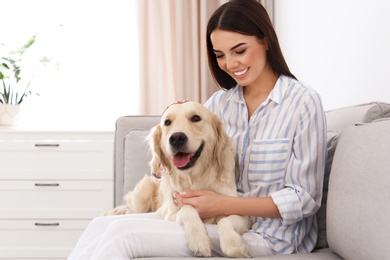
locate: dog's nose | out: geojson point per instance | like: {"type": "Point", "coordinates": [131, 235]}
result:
{"type": "Point", "coordinates": [178, 139]}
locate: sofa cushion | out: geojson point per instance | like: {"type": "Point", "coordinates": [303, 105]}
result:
{"type": "Point", "coordinates": [337, 120]}
{"type": "Point", "coordinates": [358, 212]}
{"type": "Point", "coordinates": [124, 125]}
{"type": "Point", "coordinates": [332, 141]}
{"type": "Point", "coordinates": [137, 154]}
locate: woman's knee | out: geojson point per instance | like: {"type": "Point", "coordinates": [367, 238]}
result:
{"type": "Point", "coordinates": [97, 221]}
{"type": "Point", "coordinates": [118, 227]}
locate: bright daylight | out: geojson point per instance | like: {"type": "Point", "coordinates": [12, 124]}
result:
{"type": "Point", "coordinates": [92, 76]}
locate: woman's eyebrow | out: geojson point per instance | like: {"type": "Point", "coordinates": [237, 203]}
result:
{"type": "Point", "coordinates": [232, 48]}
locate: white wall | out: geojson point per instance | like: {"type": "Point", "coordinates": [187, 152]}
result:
{"type": "Point", "coordinates": [339, 47]}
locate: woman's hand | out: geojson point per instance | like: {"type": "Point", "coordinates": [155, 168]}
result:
{"type": "Point", "coordinates": [207, 203]}
{"type": "Point", "coordinates": [210, 204]}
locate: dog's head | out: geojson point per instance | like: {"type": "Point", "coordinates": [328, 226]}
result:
{"type": "Point", "coordinates": [188, 135]}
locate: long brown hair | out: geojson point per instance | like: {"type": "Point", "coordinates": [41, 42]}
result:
{"type": "Point", "coordinates": [246, 17]}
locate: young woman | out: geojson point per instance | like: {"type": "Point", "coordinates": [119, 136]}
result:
{"type": "Point", "coordinates": [277, 126]}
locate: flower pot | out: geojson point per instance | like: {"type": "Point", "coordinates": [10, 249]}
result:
{"type": "Point", "coordinates": [9, 114]}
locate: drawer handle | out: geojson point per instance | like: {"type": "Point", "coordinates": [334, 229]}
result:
{"type": "Point", "coordinates": [47, 184]}
{"type": "Point", "coordinates": [47, 224]}
{"type": "Point", "coordinates": [47, 145]}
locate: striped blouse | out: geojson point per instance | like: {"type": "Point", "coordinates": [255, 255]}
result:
{"type": "Point", "coordinates": [281, 152]}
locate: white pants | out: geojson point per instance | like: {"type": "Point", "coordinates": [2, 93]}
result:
{"type": "Point", "coordinates": [146, 235]}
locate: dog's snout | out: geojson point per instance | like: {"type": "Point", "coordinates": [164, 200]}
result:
{"type": "Point", "coordinates": [178, 139]}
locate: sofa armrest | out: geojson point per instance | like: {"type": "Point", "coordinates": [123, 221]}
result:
{"type": "Point", "coordinates": [358, 198]}
{"type": "Point", "coordinates": [337, 121]}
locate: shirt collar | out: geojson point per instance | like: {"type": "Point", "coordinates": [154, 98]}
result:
{"type": "Point", "coordinates": [236, 94]}
{"type": "Point", "coordinates": [279, 89]}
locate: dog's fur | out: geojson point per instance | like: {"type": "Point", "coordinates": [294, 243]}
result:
{"type": "Point", "coordinates": [190, 151]}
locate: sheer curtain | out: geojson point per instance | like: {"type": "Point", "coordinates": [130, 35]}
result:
{"type": "Point", "coordinates": [173, 59]}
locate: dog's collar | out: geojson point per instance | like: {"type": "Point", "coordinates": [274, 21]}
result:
{"type": "Point", "coordinates": [176, 103]}
{"type": "Point", "coordinates": [155, 176]}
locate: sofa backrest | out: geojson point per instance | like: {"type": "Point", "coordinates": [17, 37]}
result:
{"type": "Point", "coordinates": [358, 211]}
{"type": "Point", "coordinates": [339, 119]}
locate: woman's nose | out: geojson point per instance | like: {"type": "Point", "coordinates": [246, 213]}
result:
{"type": "Point", "coordinates": [231, 63]}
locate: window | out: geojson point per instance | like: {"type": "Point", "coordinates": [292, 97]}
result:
{"type": "Point", "coordinates": [94, 43]}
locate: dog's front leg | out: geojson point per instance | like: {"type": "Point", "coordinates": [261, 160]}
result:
{"type": "Point", "coordinates": [230, 231]}
{"type": "Point", "coordinates": [195, 231]}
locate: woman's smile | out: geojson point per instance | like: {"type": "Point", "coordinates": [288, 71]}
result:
{"type": "Point", "coordinates": [241, 74]}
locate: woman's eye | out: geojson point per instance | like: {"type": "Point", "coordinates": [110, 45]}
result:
{"type": "Point", "coordinates": [219, 56]}
{"type": "Point", "coordinates": [167, 122]}
{"type": "Point", "coordinates": [195, 118]}
{"type": "Point", "coordinates": [241, 51]}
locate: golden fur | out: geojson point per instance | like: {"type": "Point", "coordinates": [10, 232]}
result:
{"type": "Point", "coordinates": [190, 151]}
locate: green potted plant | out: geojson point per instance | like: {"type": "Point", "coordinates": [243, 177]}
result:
{"type": "Point", "coordinates": [12, 90]}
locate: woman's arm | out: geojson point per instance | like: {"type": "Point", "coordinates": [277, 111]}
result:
{"type": "Point", "coordinates": [211, 204]}
{"type": "Point", "coordinates": [303, 183]}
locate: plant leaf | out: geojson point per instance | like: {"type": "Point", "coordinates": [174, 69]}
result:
{"type": "Point", "coordinates": [25, 93]}
{"type": "Point", "coordinates": [5, 65]}
{"type": "Point", "coordinates": [4, 94]}
{"type": "Point", "coordinates": [22, 49]}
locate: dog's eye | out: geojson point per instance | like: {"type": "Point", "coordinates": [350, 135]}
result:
{"type": "Point", "coordinates": [195, 118]}
{"type": "Point", "coordinates": [167, 122]}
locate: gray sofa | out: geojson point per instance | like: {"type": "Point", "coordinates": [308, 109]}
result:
{"type": "Point", "coordinates": [353, 218]}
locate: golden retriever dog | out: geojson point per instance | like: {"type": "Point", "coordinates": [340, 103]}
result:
{"type": "Point", "coordinates": [191, 151]}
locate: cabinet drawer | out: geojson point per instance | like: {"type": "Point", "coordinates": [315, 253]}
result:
{"type": "Point", "coordinates": [55, 199]}
{"type": "Point", "coordinates": [39, 239]}
{"type": "Point", "coordinates": [56, 159]}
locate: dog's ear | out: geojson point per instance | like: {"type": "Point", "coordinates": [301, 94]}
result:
{"type": "Point", "coordinates": [159, 162]}
{"type": "Point", "coordinates": [222, 149]}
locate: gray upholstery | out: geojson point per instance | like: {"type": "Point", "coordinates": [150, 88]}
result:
{"type": "Point", "coordinates": [136, 164]}
{"type": "Point", "coordinates": [348, 216]}
{"type": "Point", "coordinates": [359, 195]}
{"type": "Point", "coordinates": [323, 254]}
{"type": "Point", "coordinates": [337, 121]}
{"type": "Point", "coordinates": [340, 118]}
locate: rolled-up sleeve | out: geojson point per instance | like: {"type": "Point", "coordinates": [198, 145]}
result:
{"type": "Point", "coordinates": [302, 192]}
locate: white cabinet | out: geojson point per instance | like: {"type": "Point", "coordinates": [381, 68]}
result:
{"type": "Point", "coordinates": [51, 185]}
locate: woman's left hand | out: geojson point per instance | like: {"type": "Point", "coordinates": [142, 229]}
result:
{"type": "Point", "coordinates": [207, 203]}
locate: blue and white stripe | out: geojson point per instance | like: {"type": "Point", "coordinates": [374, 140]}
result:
{"type": "Point", "coordinates": [281, 153]}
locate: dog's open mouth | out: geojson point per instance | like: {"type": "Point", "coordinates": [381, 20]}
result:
{"type": "Point", "coordinates": [184, 161]}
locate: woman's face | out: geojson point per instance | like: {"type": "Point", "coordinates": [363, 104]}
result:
{"type": "Point", "coordinates": [243, 57]}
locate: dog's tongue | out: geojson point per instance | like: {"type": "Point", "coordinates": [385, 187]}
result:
{"type": "Point", "coordinates": [181, 159]}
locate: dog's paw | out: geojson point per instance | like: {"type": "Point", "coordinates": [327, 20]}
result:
{"type": "Point", "coordinates": [235, 246]}
{"type": "Point", "coordinates": [200, 247]}
{"type": "Point", "coordinates": [120, 210]}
